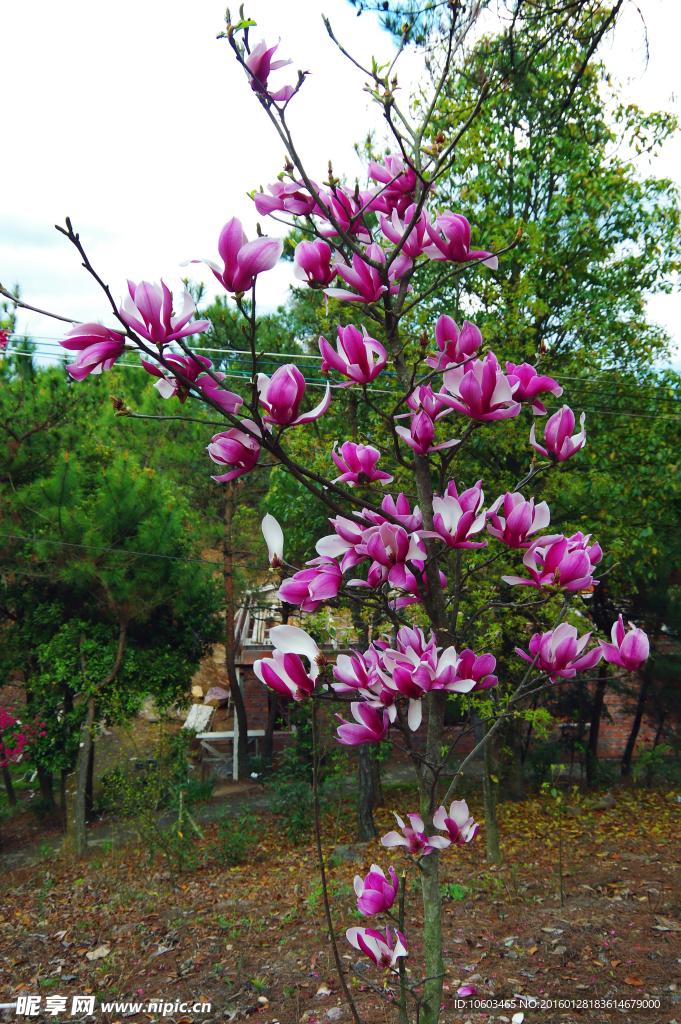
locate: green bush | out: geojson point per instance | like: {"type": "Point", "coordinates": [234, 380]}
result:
{"type": "Point", "coordinates": [235, 837]}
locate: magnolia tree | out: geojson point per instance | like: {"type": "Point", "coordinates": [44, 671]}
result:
{"type": "Point", "coordinates": [387, 249]}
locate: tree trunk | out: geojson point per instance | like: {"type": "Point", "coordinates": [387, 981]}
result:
{"type": "Point", "coordinates": [46, 780]}
{"type": "Point", "coordinates": [268, 739]}
{"type": "Point", "coordinates": [376, 769]}
{"type": "Point", "coordinates": [234, 688]}
{"type": "Point", "coordinates": [76, 783]}
{"type": "Point", "coordinates": [366, 829]}
{"type": "Point", "coordinates": [63, 801]}
{"type": "Point", "coordinates": [89, 785]}
{"type": "Point", "coordinates": [489, 796]}
{"type": "Point", "coordinates": [633, 735]}
{"type": "Point", "coordinates": [595, 725]}
{"type": "Point", "coordinates": [512, 780]}
{"type": "Point", "coordinates": [7, 779]}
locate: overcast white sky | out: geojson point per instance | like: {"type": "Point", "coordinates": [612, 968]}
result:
{"type": "Point", "coordinates": [137, 123]}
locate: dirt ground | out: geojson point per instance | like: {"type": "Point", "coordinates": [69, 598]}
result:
{"type": "Point", "coordinates": [251, 941]}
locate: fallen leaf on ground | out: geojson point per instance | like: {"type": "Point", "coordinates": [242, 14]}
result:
{"type": "Point", "coordinates": [633, 979]}
{"type": "Point", "coordinates": [615, 963]}
{"type": "Point", "coordinates": [99, 953]}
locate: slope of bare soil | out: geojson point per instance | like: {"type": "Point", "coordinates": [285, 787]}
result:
{"type": "Point", "coordinates": [251, 940]}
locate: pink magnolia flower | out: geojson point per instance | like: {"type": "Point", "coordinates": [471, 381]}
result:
{"type": "Point", "coordinates": [421, 433]}
{"type": "Point", "coordinates": [282, 393]}
{"type": "Point", "coordinates": [400, 509]}
{"type": "Point", "coordinates": [4, 338]}
{"type": "Point", "coordinates": [458, 824]}
{"type": "Point", "coordinates": [559, 444]}
{"type": "Point", "coordinates": [285, 672]}
{"type": "Point", "coordinates": [414, 837]}
{"type": "Point", "coordinates": [315, 262]}
{"type": "Point", "coordinates": [457, 519]}
{"type": "Point", "coordinates": [98, 349]}
{"type": "Point", "coordinates": [391, 545]}
{"type": "Point", "coordinates": [416, 240]}
{"type": "Point", "coordinates": [454, 345]}
{"type": "Point", "coordinates": [456, 244]}
{"type": "Point", "coordinates": [371, 726]}
{"type": "Point", "coordinates": [557, 563]}
{"type": "Point", "coordinates": [242, 260]}
{"type": "Point", "coordinates": [476, 669]}
{"type": "Point", "coordinates": [559, 652]}
{"type": "Point", "coordinates": [310, 587]}
{"type": "Point", "coordinates": [357, 356]}
{"type": "Point", "coordinates": [366, 279]}
{"type": "Point", "coordinates": [628, 650]}
{"type": "Point", "coordinates": [274, 538]}
{"type": "Point", "coordinates": [355, 671]}
{"type": "Point", "coordinates": [520, 519]}
{"type": "Point", "coordinates": [235, 448]}
{"type": "Point", "coordinates": [347, 211]}
{"type": "Point", "coordinates": [480, 390]}
{"type": "Point", "coordinates": [148, 310]}
{"type": "Point", "coordinates": [378, 949]}
{"type": "Point", "coordinates": [398, 180]}
{"type": "Point", "coordinates": [259, 62]}
{"type": "Point", "coordinates": [423, 398]}
{"type": "Point", "coordinates": [531, 385]}
{"type": "Point", "coordinates": [358, 464]}
{"type": "Point", "coordinates": [292, 197]}
{"type": "Point", "coordinates": [190, 367]}
{"type": "Point", "coordinates": [416, 668]}
{"type": "Point", "coordinates": [345, 543]}
{"type": "Point", "coordinates": [466, 990]}
{"type": "Point", "coordinates": [375, 893]}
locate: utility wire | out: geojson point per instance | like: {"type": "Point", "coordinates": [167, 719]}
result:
{"type": "Point", "coordinates": [125, 551]}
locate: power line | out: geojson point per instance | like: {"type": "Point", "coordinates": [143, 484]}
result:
{"type": "Point", "coordinates": [125, 551]}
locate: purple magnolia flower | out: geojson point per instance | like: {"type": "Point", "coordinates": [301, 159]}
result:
{"type": "Point", "coordinates": [466, 990]}
{"type": "Point", "coordinates": [520, 519]}
{"type": "Point", "coordinates": [398, 180]}
{"type": "Point", "coordinates": [417, 238]}
{"type": "Point", "coordinates": [367, 279]}
{"type": "Point", "coordinates": [558, 562]}
{"type": "Point", "coordinates": [375, 893]}
{"type": "Point", "coordinates": [282, 393]}
{"type": "Point", "coordinates": [358, 465]}
{"type": "Point", "coordinates": [347, 210]}
{"type": "Point", "coordinates": [531, 385]}
{"type": "Point", "coordinates": [454, 345]}
{"type": "Point", "coordinates": [378, 949]}
{"type": "Point", "coordinates": [458, 824]}
{"type": "Point", "coordinates": [416, 668]}
{"type": "Point", "coordinates": [357, 356]}
{"type": "Point", "coordinates": [457, 519]}
{"type": "Point", "coordinates": [476, 669]}
{"type": "Point", "coordinates": [285, 672]}
{"type": "Point", "coordinates": [432, 404]}
{"type": "Point", "coordinates": [345, 543]}
{"type": "Point", "coordinates": [310, 587]}
{"type": "Point", "coordinates": [292, 197]}
{"type": "Point", "coordinates": [315, 262]}
{"type": "Point", "coordinates": [191, 367]}
{"type": "Point", "coordinates": [274, 538]}
{"type": "Point", "coordinates": [148, 310]}
{"type": "Point", "coordinates": [628, 650]}
{"type": "Point", "coordinates": [259, 62]}
{"type": "Point", "coordinates": [414, 837]}
{"type": "Point", "coordinates": [559, 652]}
{"type": "Point", "coordinates": [371, 726]}
{"type": "Point", "coordinates": [400, 509]}
{"type": "Point", "coordinates": [456, 244]}
{"type": "Point", "coordinates": [235, 448]}
{"type": "Point", "coordinates": [390, 545]}
{"type": "Point", "coordinates": [421, 433]}
{"type": "Point", "coordinates": [4, 339]}
{"type": "Point", "coordinates": [480, 390]}
{"type": "Point", "coordinates": [98, 349]}
{"type": "Point", "coordinates": [355, 671]}
{"type": "Point", "coordinates": [242, 260]}
{"type": "Point", "coordinates": [559, 444]}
